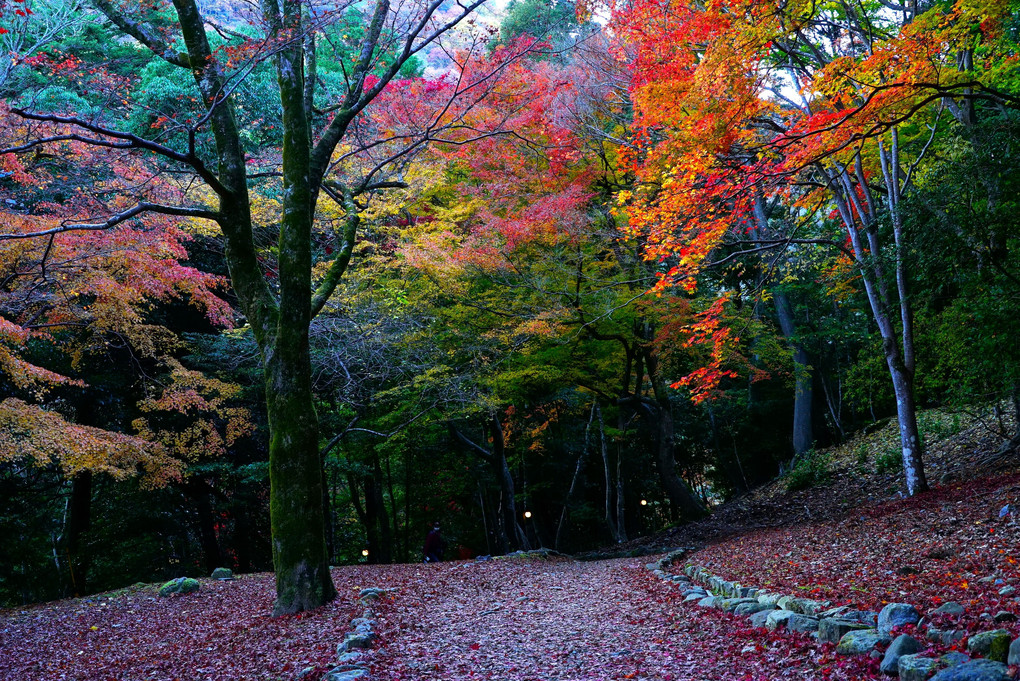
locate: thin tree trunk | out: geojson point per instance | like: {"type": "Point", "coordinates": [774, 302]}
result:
{"type": "Point", "coordinates": [78, 525]}
{"type": "Point", "coordinates": [621, 502]}
{"type": "Point", "coordinates": [898, 360]}
{"type": "Point", "coordinates": [578, 468]}
{"type": "Point", "coordinates": [506, 478]}
{"type": "Point", "coordinates": [610, 523]}
{"type": "Point", "coordinates": [385, 549]}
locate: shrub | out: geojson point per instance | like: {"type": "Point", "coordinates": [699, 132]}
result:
{"type": "Point", "coordinates": [812, 468]}
{"type": "Point", "coordinates": [889, 460]}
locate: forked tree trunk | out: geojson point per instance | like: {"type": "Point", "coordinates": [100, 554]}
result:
{"type": "Point", "coordinates": [853, 198]}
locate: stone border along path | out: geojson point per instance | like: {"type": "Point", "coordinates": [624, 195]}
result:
{"type": "Point", "coordinates": [357, 648]}
{"type": "Point", "coordinates": [855, 632]}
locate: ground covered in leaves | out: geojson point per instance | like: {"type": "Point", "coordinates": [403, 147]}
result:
{"type": "Point", "coordinates": [223, 631]}
{"type": "Point", "coordinates": [851, 540]}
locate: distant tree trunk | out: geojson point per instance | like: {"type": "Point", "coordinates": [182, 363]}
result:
{"type": "Point", "coordinates": [578, 468]}
{"type": "Point", "coordinates": [78, 525]}
{"type": "Point", "coordinates": [803, 432]}
{"type": "Point", "coordinates": [510, 534]}
{"type": "Point", "coordinates": [242, 541]}
{"type": "Point", "coordinates": [364, 511]}
{"type": "Point", "coordinates": [198, 490]}
{"type": "Point", "coordinates": [327, 509]}
{"type": "Point", "coordinates": [680, 495]}
{"type": "Point", "coordinates": [374, 491]}
{"type": "Point", "coordinates": [612, 519]}
{"type": "Point", "coordinates": [507, 483]}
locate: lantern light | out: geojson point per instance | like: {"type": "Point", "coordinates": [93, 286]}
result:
{"type": "Point", "coordinates": [644, 502]}
{"type": "Point", "coordinates": [364, 552]}
{"type": "Point", "coordinates": [527, 514]}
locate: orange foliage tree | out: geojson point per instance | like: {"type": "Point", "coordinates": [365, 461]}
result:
{"type": "Point", "coordinates": [745, 105]}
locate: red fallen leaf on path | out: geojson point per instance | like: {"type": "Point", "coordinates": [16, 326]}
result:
{"type": "Point", "coordinates": [476, 646]}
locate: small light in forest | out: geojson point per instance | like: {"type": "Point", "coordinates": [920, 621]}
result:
{"type": "Point", "coordinates": [644, 502]}
{"type": "Point", "coordinates": [364, 552]}
{"type": "Point", "coordinates": [527, 514]}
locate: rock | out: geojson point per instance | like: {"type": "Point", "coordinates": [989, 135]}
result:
{"type": "Point", "coordinates": [831, 629]}
{"type": "Point", "coordinates": [806, 606]}
{"type": "Point", "coordinates": [745, 609]}
{"type": "Point", "coordinates": [651, 566]}
{"type": "Point", "coordinates": [901, 645]}
{"type": "Point", "coordinates": [954, 659]}
{"type": "Point", "coordinates": [802, 623]}
{"type": "Point", "coordinates": [771, 600]}
{"type": "Point", "coordinates": [1014, 653]}
{"type": "Point", "coordinates": [760, 618]}
{"type": "Point", "coordinates": [949, 608]}
{"type": "Point", "coordinates": [351, 659]}
{"type": "Point", "coordinates": [975, 670]}
{"type": "Point", "coordinates": [835, 613]}
{"type": "Point", "coordinates": [993, 645]}
{"type": "Point", "coordinates": [1003, 616]}
{"type": "Point", "coordinates": [896, 615]}
{"type": "Point", "coordinates": [709, 601]}
{"type": "Point", "coordinates": [693, 595]}
{"type": "Point", "coordinates": [372, 593]}
{"type": "Point", "coordinates": [860, 641]}
{"type": "Point", "coordinates": [354, 641]}
{"type": "Point", "coordinates": [222, 573]}
{"type": "Point", "coordinates": [916, 667]}
{"type": "Point", "coordinates": [747, 592]}
{"type": "Point", "coordinates": [946, 637]}
{"type": "Point", "coordinates": [777, 619]}
{"type": "Point", "coordinates": [1007, 591]}
{"type": "Point", "coordinates": [866, 616]}
{"type": "Point", "coordinates": [730, 604]}
{"type": "Point", "coordinates": [677, 579]}
{"type": "Point", "coordinates": [181, 585]}
{"type": "Point", "coordinates": [339, 674]}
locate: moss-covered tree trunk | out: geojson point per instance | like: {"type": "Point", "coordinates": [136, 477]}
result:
{"type": "Point", "coordinates": [279, 308]}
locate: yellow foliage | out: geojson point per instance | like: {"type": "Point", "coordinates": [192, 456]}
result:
{"type": "Point", "coordinates": [33, 434]}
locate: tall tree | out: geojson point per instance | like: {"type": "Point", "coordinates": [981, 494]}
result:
{"type": "Point", "coordinates": [280, 303]}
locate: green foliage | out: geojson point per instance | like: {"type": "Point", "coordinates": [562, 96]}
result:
{"type": "Point", "coordinates": [888, 460]}
{"type": "Point", "coordinates": [810, 469]}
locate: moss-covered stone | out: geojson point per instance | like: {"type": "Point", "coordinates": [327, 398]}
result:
{"type": "Point", "coordinates": [916, 667]}
{"type": "Point", "coordinates": [860, 642]}
{"type": "Point", "coordinates": [993, 645]}
{"type": "Point", "coordinates": [975, 670]}
{"type": "Point", "coordinates": [181, 585]}
{"type": "Point", "coordinates": [832, 629]}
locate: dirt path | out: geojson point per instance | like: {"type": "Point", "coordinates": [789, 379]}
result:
{"type": "Point", "coordinates": [540, 621]}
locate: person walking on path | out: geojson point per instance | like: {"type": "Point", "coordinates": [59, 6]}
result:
{"type": "Point", "coordinates": [433, 545]}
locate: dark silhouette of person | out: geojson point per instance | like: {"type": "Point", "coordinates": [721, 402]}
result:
{"type": "Point", "coordinates": [433, 545]}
